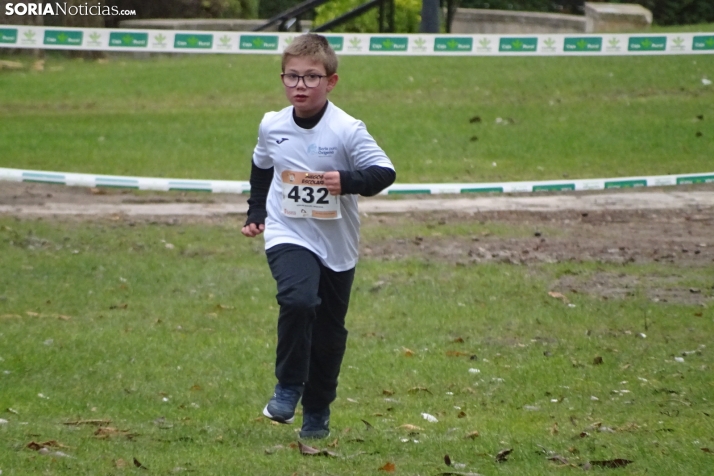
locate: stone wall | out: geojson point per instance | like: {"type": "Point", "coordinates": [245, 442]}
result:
{"type": "Point", "coordinates": [599, 18]}
{"type": "Point", "coordinates": [472, 20]}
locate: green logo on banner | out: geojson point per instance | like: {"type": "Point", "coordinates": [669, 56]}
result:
{"type": "Point", "coordinates": [558, 187]}
{"type": "Point", "coordinates": [193, 41]}
{"type": "Point", "coordinates": [453, 44]}
{"type": "Point", "coordinates": [258, 42]}
{"type": "Point", "coordinates": [647, 43]}
{"type": "Point", "coordinates": [549, 44]}
{"type": "Point", "coordinates": [626, 184]}
{"type": "Point", "coordinates": [160, 40]}
{"type": "Point", "coordinates": [225, 41]}
{"type": "Point", "coordinates": [518, 45]}
{"type": "Point", "coordinates": [336, 42]}
{"type": "Point", "coordinates": [697, 179]}
{"type": "Point", "coordinates": [8, 35]}
{"type": "Point", "coordinates": [482, 190]}
{"type": "Point", "coordinates": [579, 45]}
{"type": "Point", "coordinates": [65, 38]}
{"type": "Point", "coordinates": [131, 40]}
{"type": "Point", "coordinates": [381, 43]}
{"type": "Point", "coordinates": [703, 43]}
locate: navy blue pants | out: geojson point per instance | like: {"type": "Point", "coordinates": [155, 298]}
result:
{"type": "Point", "coordinates": [312, 337]}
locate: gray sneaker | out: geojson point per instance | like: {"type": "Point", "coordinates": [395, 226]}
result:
{"type": "Point", "coordinates": [315, 424]}
{"type": "Point", "coordinates": [281, 407]}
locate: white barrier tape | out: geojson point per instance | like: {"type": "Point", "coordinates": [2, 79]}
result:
{"type": "Point", "coordinates": [226, 186]}
{"type": "Point", "coordinates": [177, 41]}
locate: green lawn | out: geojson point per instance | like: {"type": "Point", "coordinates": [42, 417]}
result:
{"type": "Point", "coordinates": [197, 116]}
{"type": "Point", "coordinates": [167, 334]}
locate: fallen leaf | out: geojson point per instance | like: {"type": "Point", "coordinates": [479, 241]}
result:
{"type": "Point", "coordinates": [502, 455]}
{"type": "Point", "coordinates": [368, 425]}
{"type": "Point", "coordinates": [418, 389]}
{"type": "Point", "coordinates": [34, 446]}
{"type": "Point", "coordinates": [107, 432]}
{"type": "Point", "coordinates": [558, 459]}
{"type": "Point", "coordinates": [138, 464]}
{"type": "Point", "coordinates": [388, 467]}
{"type": "Point", "coordinates": [88, 422]}
{"type": "Point", "coordinates": [388, 393]}
{"type": "Point", "coordinates": [119, 463]}
{"type": "Point", "coordinates": [473, 435]}
{"type": "Point", "coordinates": [196, 387]}
{"type": "Point", "coordinates": [408, 352]}
{"type": "Point", "coordinates": [554, 429]}
{"type": "Point", "coordinates": [334, 444]}
{"type": "Point", "coordinates": [597, 360]}
{"type": "Point", "coordinates": [307, 450]}
{"type": "Point", "coordinates": [310, 451]}
{"type": "Point", "coordinates": [447, 460]}
{"type": "Point", "coordinates": [462, 414]}
{"type": "Point", "coordinates": [611, 463]}
{"type": "Point", "coordinates": [557, 295]}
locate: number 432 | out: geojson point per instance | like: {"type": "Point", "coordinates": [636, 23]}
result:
{"type": "Point", "coordinates": [308, 195]}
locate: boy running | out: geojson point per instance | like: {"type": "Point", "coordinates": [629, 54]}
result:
{"type": "Point", "coordinates": [311, 161]}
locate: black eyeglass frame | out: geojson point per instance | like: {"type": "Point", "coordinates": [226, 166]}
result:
{"type": "Point", "coordinates": [320, 76]}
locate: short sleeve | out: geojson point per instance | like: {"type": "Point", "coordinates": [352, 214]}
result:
{"type": "Point", "coordinates": [364, 150]}
{"type": "Point", "coordinates": [261, 157]}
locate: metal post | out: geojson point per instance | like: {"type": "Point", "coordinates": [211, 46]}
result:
{"type": "Point", "coordinates": [429, 16]}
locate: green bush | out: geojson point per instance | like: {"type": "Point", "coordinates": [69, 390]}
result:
{"type": "Point", "coordinates": [664, 12]}
{"type": "Point", "coordinates": [407, 16]}
{"type": "Point", "coordinates": [185, 9]}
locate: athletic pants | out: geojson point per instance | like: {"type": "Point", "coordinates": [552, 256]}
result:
{"type": "Point", "coordinates": [312, 337]}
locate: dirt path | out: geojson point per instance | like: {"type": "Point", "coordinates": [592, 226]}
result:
{"type": "Point", "coordinates": [21, 199]}
{"type": "Point", "coordinates": [672, 226]}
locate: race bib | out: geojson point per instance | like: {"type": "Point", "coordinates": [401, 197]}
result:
{"type": "Point", "coordinates": [305, 196]}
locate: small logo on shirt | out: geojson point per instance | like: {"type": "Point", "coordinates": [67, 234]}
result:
{"type": "Point", "coordinates": [280, 141]}
{"type": "Point", "coordinates": [314, 149]}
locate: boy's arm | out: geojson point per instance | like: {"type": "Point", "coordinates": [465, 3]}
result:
{"type": "Point", "coordinates": [367, 182]}
{"type": "Point", "coordinates": [260, 180]}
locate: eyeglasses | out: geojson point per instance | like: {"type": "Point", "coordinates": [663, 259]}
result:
{"type": "Point", "coordinates": [310, 80]}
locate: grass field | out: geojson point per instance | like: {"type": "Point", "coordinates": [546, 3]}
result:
{"type": "Point", "coordinates": [197, 116]}
{"type": "Point", "coordinates": [165, 334]}
{"type": "Point", "coordinates": [147, 343]}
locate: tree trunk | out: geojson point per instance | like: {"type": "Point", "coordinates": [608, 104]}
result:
{"type": "Point", "coordinates": [84, 21]}
{"type": "Point", "coordinates": [32, 20]}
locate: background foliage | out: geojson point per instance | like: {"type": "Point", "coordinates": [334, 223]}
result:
{"type": "Point", "coordinates": [186, 9]}
{"type": "Point", "coordinates": [407, 16]}
{"type": "Point", "coordinates": [665, 12]}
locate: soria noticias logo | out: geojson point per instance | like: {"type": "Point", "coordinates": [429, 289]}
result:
{"type": "Point", "coordinates": [61, 8]}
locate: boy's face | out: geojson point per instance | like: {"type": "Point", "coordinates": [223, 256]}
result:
{"type": "Point", "coordinates": [308, 101]}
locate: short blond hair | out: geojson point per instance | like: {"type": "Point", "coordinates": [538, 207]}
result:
{"type": "Point", "coordinates": [315, 47]}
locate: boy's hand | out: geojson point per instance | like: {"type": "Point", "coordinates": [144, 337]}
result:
{"type": "Point", "coordinates": [332, 183]}
{"type": "Point", "coordinates": [252, 230]}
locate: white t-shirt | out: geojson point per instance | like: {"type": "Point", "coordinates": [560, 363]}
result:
{"type": "Point", "coordinates": [337, 142]}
